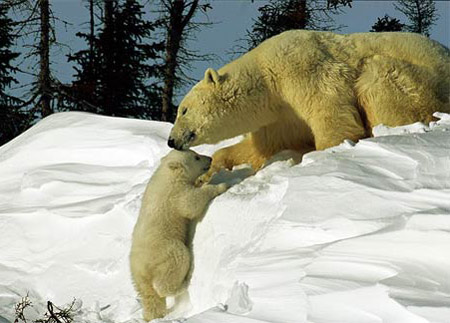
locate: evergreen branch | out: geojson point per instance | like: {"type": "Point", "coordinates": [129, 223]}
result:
{"type": "Point", "coordinates": [30, 16]}
{"type": "Point", "coordinates": [193, 6]}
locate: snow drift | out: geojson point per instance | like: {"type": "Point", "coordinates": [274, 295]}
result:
{"type": "Point", "coordinates": [357, 233]}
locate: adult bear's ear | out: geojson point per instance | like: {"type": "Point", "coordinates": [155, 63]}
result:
{"type": "Point", "coordinates": [212, 77]}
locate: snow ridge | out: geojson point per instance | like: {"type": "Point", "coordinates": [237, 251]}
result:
{"type": "Point", "coordinates": [356, 233]}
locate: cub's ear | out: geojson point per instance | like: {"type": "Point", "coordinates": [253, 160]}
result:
{"type": "Point", "coordinates": [175, 165]}
{"type": "Point", "coordinates": [212, 77]}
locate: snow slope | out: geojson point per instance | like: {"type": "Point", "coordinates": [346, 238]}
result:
{"type": "Point", "coordinates": [357, 233]}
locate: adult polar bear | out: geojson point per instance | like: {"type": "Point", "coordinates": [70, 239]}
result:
{"type": "Point", "coordinates": [305, 90]}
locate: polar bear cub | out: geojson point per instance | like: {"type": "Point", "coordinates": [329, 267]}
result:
{"type": "Point", "coordinates": [159, 258]}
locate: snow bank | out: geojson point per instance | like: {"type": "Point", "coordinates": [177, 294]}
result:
{"type": "Point", "coordinates": [357, 233]}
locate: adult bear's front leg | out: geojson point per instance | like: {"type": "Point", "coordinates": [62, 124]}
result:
{"type": "Point", "coordinates": [244, 152]}
{"type": "Point", "coordinates": [290, 133]}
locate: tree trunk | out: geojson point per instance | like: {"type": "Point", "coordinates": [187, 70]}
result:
{"type": "Point", "coordinates": [92, 33]}
{"type": "Point", "coordinates": [174, 34]}
{"type": "Point", "coordinates": [109, 104]}
{"type": "Point", "coordinates": [109, 10]}
{"type": "Point", "coordinates": [44, 53]}
{"type": "Point", "coordinates": [302, 14]}
{"type": "Point", "coordinates": [176, 26]}
{"type": "Point", "coordinates": [419, 17]}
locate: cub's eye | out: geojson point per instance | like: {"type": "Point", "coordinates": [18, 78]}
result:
{"type": "Point", "coordinates": [197, 158]}
{"type": "Point", "coordinates": [184, 111]}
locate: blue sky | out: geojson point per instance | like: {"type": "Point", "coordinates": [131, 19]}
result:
{"type": "Point", "coordinates": [231, 19]}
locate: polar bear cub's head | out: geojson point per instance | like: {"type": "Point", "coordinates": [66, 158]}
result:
{"type": "Point", "coordinates": [187, 165]}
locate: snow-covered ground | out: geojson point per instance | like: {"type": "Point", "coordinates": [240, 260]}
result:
{"type": "Point", "coordinates": [354, 234]}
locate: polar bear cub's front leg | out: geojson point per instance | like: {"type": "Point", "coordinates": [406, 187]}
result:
{"type": "Point", "coordinates": [193, 205]}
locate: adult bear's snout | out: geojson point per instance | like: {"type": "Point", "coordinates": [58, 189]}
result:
{"type": "Point", "coordinates": [184, 143]}
{"type": "Point", "coordinates": [171, 143]}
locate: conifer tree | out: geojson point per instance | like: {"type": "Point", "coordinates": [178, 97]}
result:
{"type": "Point", "coordinates": [12, 120]}
{"type": "Point", "coordinates": [44, 78]}
{"type": "Point", "coordinates": [178, 25]}
{"type": "Point", "coordinates": [420, 13]}
{"type": "Point", "coordinates": [37, 27]}
{"type": "Point", "coordinates": [122, 80]}
{"type": "Point", "coordinates": [281, 15]}
{"type": "Point", "coordinates": [387, 24]}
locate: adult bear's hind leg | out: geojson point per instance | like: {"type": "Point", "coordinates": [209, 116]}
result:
{"type": "Point", "coordinates": [394, 92]}
{"type": "Point", "coordinates": [334, 121]}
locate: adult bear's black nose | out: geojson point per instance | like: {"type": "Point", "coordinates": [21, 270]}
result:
{"type": "Point", "coordinates": [171, 143]}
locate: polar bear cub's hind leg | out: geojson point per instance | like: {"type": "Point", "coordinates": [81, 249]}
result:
{"type": "Point", "coordinates": [153, 305]}
{"type": "Point", "coordinates": [169, 275]}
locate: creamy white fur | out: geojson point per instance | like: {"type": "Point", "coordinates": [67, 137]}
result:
{"type": "Point", "coordinates": [159, 258]}
{"type": "Point", "coordinates": [306, 90]}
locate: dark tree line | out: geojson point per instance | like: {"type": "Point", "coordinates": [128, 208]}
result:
{"type": "Point", "coordinates": [134, 62]}
{"type": "Point", "coordinates": [420, 14]}
{"type": "Point", "coordinates": [282, 15]}
{"type": "Point", "coordinates": [117, 74]}
{"type": "Point", "coordinates": [132, 65]}
{"type": "Point", "coordinates": [12, 119]}
{"type": "Point", "coordinates": [387, 23]}
{"type": "Point", "coordinates": [37, 23]}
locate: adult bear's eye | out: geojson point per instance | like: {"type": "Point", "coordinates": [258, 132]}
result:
{"type": "Point", "coordinates": [184, 111]}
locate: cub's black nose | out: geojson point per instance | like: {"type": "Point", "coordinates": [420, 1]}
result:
{"type": "Point", "coordinates": [171, 143]}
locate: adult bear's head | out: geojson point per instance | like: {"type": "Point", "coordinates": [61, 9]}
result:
{"type": "Point", "coordinates": [221, 106]}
